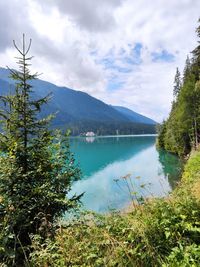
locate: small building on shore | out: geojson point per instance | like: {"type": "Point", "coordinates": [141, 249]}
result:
{"type": "Point", "coordinates": [90, 134]}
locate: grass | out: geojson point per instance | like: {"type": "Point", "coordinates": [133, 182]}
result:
{"type": "Point", "coordinates": [161, 232]}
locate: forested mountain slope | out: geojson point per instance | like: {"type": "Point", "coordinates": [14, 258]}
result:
{"type": "Point", "coordinates": [134, 116]}
{"type": "Point", "coordinates": [80, 111]}
{"type": "Point", "coordinates": [181, 131]}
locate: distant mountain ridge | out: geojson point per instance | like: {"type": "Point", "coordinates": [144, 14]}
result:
{"type": "Point", "coordinates": [134, 116]}
{"type": "Point", "coordinates": [81, 112]}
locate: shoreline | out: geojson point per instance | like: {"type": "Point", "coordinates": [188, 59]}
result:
{"type": "Point", "coordinates": [119, 136]}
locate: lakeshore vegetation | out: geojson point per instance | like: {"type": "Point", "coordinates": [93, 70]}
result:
{"type": "Point", "coordinates": [181, 131]}
{"type": "Point", "coordinates": [159, 232]}
{"type": "Point", "coordinates": [36, 172]}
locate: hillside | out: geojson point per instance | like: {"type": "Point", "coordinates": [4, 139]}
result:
{"type": "Point", "coordinates": [134, 116]}
{"type": "Point", "coordinates": [80, 111]}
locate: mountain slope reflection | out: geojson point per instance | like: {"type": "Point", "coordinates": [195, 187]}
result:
{"type": "Point", "coordinates": [94, 156]}
{"type": "Point", "coordinates": [105, 161]}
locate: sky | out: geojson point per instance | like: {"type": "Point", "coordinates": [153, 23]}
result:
{"type": "Point", "coordinates": [123, 52]}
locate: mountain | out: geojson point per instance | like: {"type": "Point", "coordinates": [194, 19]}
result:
{"type": "Point", "coordinates": [78, 110]}
{"type": "Point", "coordinates": [134, 116]}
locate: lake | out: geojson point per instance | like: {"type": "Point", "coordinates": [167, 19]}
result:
{"type": "Point", "coordinates": [118, 169]}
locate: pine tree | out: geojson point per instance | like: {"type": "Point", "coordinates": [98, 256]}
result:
{"type": "Point", "coordinates": [36, 167]}
{"type": "Point", "coordinates": [196, 56]}
{"type": "Point", "coordinates": [196, 51]}
{"type": "Point", "coordinates": [187, 69]}
{"type": "Point", "coordinates": [177, 83]}
{"type": "Point", "coordinates": [196, 117]}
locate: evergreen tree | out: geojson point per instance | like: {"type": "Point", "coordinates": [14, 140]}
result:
{"type": "Point", "coordinates": [196, 117]}
{"type": "Point", "coordinates": [182, 129]}
{"type": "Point", "coordinates": [177, 83]}
{"type": "Point", "coordinates": [187, 69]}
{"type": "Point", "coordinates": [196, 51]}
{"type": "Point", "coordinates": [36, 168]}
{"type": "Point", "coordinates": [161, 130]}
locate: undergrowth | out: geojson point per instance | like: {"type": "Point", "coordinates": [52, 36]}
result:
{"type": "Point", "coordinates": [161, 232]}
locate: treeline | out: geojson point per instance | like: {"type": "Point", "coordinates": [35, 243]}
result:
{"type": "Point", "coordinates": [181, 131]}
{"type": "Point", "coordinates": [110, 128]}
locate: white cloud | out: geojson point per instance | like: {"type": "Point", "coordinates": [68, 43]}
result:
{"type": "Point", "coordinates": [71, 38]}
{"type": "Point", "coordinates": [95, 16]}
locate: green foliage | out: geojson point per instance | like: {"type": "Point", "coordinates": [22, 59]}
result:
{"type": "Point", "coordinates": [187, 69]}
{"type": "Point", "coordinates": [36, 169]}
{"type": "Point", "coordinates": [177, 83]}
{"type": "Point", "coordinates": [161, 130]}
{"type": "Point", "coordinates": [181, 132]}
{"type": "Point", "coordinates": [161, 232]}
{"type": "Point", "coordinates": [184, 256]}
{"type": "Point", "coordinates": [192, 168]}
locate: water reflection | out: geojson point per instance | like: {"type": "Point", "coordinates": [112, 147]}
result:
{"type": "Point", "coordinates": [106, 161]}
{"type": "Point", "coordinates": [171, 167]}
{"type": "Point", "coordinates": [93, 156]}
{"type": "Point", "coordinates": [90, 139]}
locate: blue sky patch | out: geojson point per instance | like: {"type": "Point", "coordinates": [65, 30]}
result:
{"type": "Point", "coordinates": [164, 56]}
{"type": "Point", "coordinates": [134, 57]}
{"type": "Point", "coordinates": [109, 63]}
{"type": "Point", "coordinates": [124, 60]}
{"type": "Point", "coordinates": [114, 83]}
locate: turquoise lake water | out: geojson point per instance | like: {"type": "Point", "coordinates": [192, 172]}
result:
{"type": "Point", "coordinates": [118, 169]}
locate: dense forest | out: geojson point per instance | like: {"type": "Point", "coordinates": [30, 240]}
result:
{"type": "Point", "coordinates": [181, 131]}
{"type": "Point", "coordinates": [110, 128]}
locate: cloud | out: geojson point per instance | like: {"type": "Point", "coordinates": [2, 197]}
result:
{"type": "Point", "coordinates": [10, 20]}
{"type": "Point", "coordinates": [123, 52]}
{"type": "Point", "coordinates": [94, 16]}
